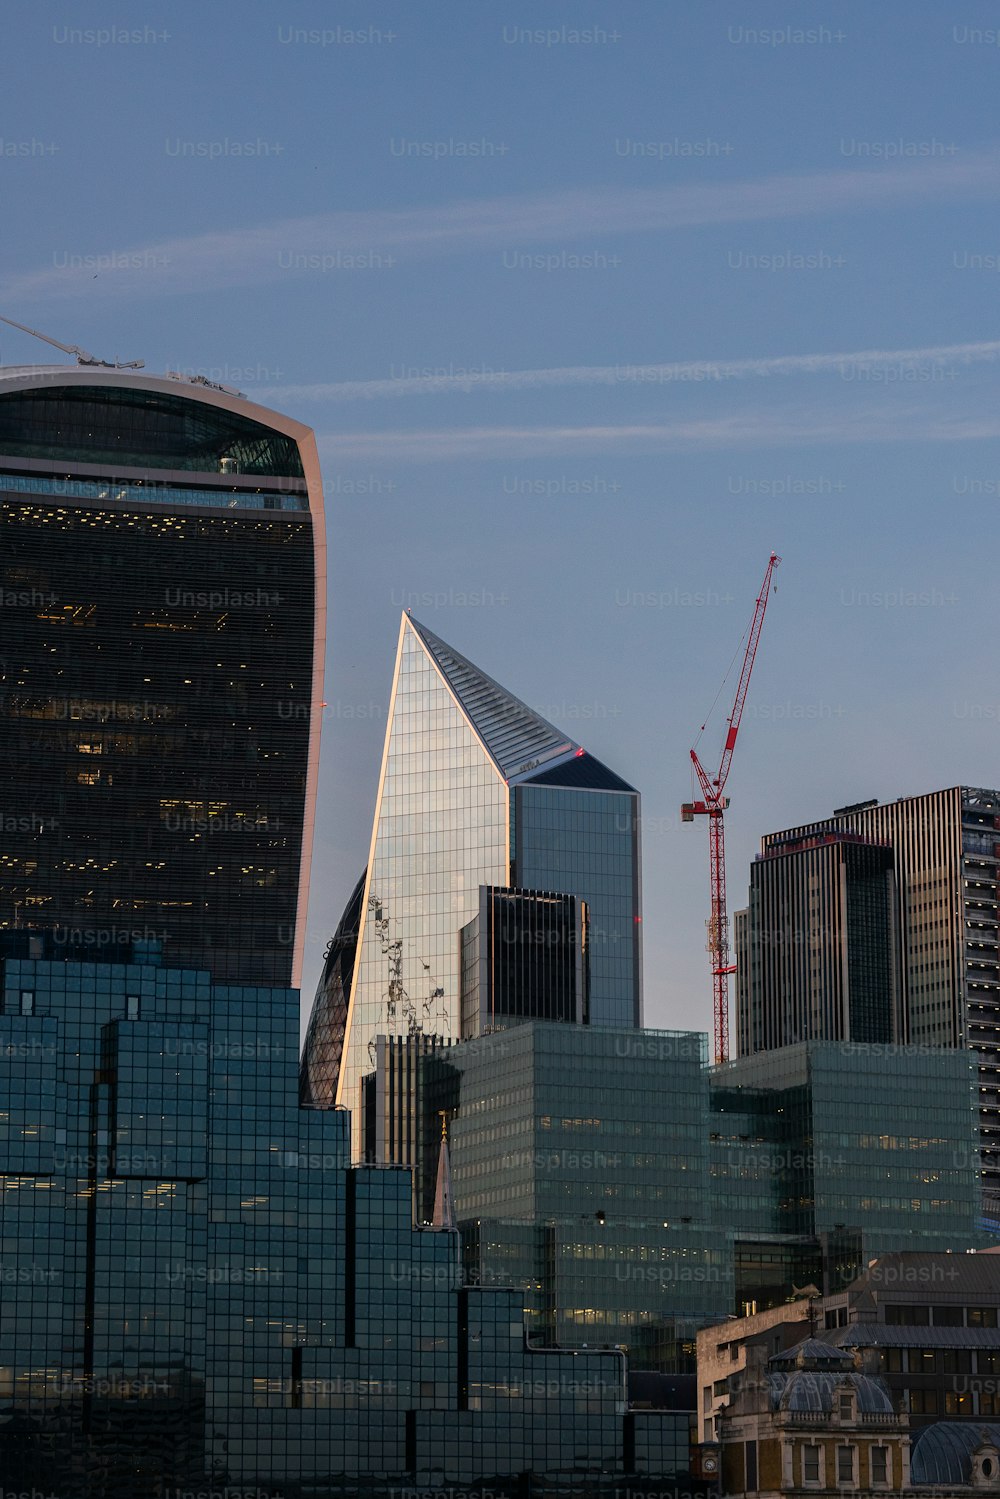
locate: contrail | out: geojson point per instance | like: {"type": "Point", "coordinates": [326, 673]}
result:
{"type": "Point", "coordinates": [701, 372]}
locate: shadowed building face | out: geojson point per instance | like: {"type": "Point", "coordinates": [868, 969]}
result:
{"type": "Point", "coordinates": [161, 568]}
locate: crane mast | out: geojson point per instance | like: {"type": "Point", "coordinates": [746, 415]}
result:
{"type": "Point", "coordinates": [82, 357]}
{"type": "Point", "coordinates": [713, 805]}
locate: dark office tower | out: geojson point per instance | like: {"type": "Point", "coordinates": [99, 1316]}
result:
{"type": "Point", "coordinates": [162, 568]}
{"type": "Point", "coordinates": [946, 847]}
{"type": "Point", "coordinates": [815, 948]}
{"type": "Point", "coordinates": [475, 789]}
{"type": "Point", "coordinates": [524, 957]}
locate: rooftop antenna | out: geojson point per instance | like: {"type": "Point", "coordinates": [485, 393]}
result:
{"type": "Point", "coordinates": [82, 357]}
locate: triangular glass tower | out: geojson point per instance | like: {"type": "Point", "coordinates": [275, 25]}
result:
{"type": "Point", "coordinates": [475, 789]}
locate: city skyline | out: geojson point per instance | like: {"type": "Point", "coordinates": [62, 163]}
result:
{"type": "Point", "coordinates": [629, 311]}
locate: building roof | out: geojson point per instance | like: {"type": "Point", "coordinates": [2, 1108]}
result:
{"type": "Point", "coordinates": [814, 1390]}
{"type": "Point", "coordinates": [942, 1452]}
{"type": "Point", "coordinates": [879, 1335]}
{"type": "Point", "coordinates": [79, 377]}
{"type": "Point", "coordinates": [807, 1376]}
{"type": "Point", "coordinates": [923, 1276]}
{"type": "Point", "coordinates": [522, 744]}
{"type": "Point", "coordinates": [811, 1353]}
{"type": "Point", "coordinates": [514, 735]}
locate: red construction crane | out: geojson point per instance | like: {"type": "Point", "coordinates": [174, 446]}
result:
{"type": "Point", "coordinates": [713, 807]}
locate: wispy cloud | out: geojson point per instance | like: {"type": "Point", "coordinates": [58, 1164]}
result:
{"type": "Point", "coordinates": [748, 429]}
{"type": "Point", "coordinates": [297, 246]}
{"type": "Point", "coordinates": [700, 371]}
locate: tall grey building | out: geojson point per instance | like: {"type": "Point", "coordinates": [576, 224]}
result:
{"type": "Point", "coordinates": [946, 852]}
{"type": "Point", "coordinates": [815, 948]}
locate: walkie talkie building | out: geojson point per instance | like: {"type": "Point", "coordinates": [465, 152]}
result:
{"type": "Point", "coordinates": [162, 572]}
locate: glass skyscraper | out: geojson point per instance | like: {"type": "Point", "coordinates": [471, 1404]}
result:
{"type": "Point", "coordinates": [476, 789]}
{"type": "Point", "coordinates": [162, 575]}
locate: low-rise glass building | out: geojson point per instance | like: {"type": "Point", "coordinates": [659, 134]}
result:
{"type": "Point", "coordinates": [878, 1138]}
{"type": "Point", "coordinates": [198, 1293]}
{"type": "Point", "coordinates": [635, 1194]}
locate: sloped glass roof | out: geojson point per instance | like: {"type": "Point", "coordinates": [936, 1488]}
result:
{"type": "Point", "coordinates": [517, 738]}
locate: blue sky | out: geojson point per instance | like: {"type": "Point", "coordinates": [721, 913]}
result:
{"type": "Point", "coordinates": [590, 307]}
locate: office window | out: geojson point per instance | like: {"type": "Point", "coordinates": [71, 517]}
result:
{"type": "Point", "coordinates": [27, 1002]}
{"type": "Point", "coordinates": [810, 1463]}
{"type": "Point", "coordinates": [894, 1360]}
{"type": "Point", "coordinates": [845, 1464]}
{"type": "Point", "coordinates": [907, 1316]}
{"type": "Point", "coordinates": [880, 1464]}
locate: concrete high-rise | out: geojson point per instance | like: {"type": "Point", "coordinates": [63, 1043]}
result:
{"type": "Point", "coordinates": [476, 789]}
{"type": "Point", "coordinates": [946, 856]}
{"type": "Point", "coordinates": [162, 573]}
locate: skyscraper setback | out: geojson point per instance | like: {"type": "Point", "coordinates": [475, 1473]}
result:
{"type": "Point", "coordinates": [162, 568]}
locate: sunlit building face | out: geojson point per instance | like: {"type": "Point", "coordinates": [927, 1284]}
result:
{"type": "Point", "coordinates": [161, 568]}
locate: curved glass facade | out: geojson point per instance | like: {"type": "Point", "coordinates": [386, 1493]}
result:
{"type": "Point", "coordinates": [152, 494]}
{"type": "Point", "coordinates": [158, 670]}
{"type": "Point", "coordinates": [324, 1045]}
{"type": "Point", "coordinates": [142, 428]}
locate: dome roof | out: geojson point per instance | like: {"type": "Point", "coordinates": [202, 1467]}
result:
{"type": "Point", "coordinates": [812, 1390]}
{"type": "Point", "coordinates": [943, 1452]}
{"type": "Point", "coordinates": [807, 1377]}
